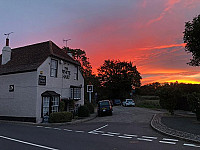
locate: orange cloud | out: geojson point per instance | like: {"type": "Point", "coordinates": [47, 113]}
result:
{"type": "Point", "coordinates": [164, 46]}
{"type": "Point", "coordinates": [169, 5]}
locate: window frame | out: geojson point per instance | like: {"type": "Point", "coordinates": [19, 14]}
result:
{"type": "Point", "coordinates": [75, 93]}
{"type": "Point", "coordinates": [55, 75]}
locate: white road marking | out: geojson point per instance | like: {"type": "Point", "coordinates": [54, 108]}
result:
{"type": "Point", "coordinates": [101, 127]}
{"type": "Point", "coordinates": [113, 133]}
{"type": "Point", "coordinates": [39, 126]}
{"type": "Point", "coordinates": [68, 130]}
{"type": "Point", "coordinates": [99, 131]}
{"type": "Point", "coordinates": [57, 128]}
{"type": "Point", "coordinates": [192, 145]}
{"type": "Point", "coordinates": [80, 131]}
{"type": "Point", "coordinates": [145, 139]}
{"type": "Point", "coordinates": [165, 142]}
{"type": "Point", "coordinates": [91, 132]}
{"type": "Point", "coordinates": [28, 143]}
{"type": "Point", "coordinates": [47, 127]}
{"type": "Point", "coordinates": [125, 137]}
{"type": "Point", "coordinates": [148, 137]}
{"type": "Point", "coordinates": [174, 140]}
{"type": "Point", "coordinates": [130, 135]}
{"type": "Point", "coordinates": [107, 134]}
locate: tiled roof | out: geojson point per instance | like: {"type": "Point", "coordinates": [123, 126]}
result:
{"type": "Point", "coordinates": [29, 58]}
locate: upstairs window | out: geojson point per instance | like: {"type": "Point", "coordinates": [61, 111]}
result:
{"type": "Point", "coordinates": [54, 68]}
{"type": "Point", "coordinates": [76, 73]}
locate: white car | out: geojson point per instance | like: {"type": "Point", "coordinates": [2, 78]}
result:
{"type": "Point", "coordinates": [128, 102]}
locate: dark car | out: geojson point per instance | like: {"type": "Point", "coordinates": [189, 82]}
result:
{"type": "Point", "coordinates": [116, 102]}
{"type": "Point", "coordinates": [104, 108]}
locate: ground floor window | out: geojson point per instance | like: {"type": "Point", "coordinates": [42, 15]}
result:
{"type": "Point", "coordinates": [50, 103]}
{"type": "Point", "coordinates": [76, 93]}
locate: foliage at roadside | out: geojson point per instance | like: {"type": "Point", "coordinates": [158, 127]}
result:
{"type": "Point", "coordinates": [148, 104]}
{"type": "Point", "coordinates": [90, 107]}
{"type": "Point", "coordinates": [192, 40]}
{"type": "Point", "coordinates": [83, 111]}
{"type": "Point", "coordinates": [194, 101]}
{"type": "Point", "coordinates": [59, 117]}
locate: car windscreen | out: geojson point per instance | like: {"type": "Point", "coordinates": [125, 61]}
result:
{"type": "Point", "coordinates": [104, 103]}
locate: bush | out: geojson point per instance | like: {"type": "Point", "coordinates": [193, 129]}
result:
{"type": "Point", "coordinates": [83, 111]}
{"type": "Point", "coordinates": [148, 104]}
{"type": "Point", "coordinates": [59, 117]}
{"type": "Point", "coordinates": [62, 106]}
{"type": "Point", "coordinates": [90, 107]}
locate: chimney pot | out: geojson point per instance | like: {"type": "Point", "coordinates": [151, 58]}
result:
{"type": "Point", "coordinates": [7, 42]}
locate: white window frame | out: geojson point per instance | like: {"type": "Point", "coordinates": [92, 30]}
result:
{"type": "Point", "coordinates": [76, 93]}
{"type": "Point", "coordinates": [54, 68]}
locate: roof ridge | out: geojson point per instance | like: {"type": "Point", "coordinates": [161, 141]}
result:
{"type": "Point", "coordinates": [29, 45]}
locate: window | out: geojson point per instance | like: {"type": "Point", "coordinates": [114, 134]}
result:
{"type": "Point", "coordinates": [46, 101]}
{"type": "Point", "coordinates": [76, 93]}
{"type": "Point", "coordinates": [54, 68]}
{"type": "Point", "coordinates": [76, 73]}
{"type": "Point", "coordinates": [55, 104]}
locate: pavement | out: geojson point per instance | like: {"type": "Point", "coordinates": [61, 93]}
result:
{"type": "Point", "coordinates": [182, 125]}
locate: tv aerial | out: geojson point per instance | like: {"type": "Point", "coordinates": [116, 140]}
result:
{"type": "Point", "coordinates": [66, 41]}
{"type": "Point", "coordinates": [7, 34]}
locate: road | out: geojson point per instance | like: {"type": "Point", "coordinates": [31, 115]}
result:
{"type": "Point", "coordinates": [127, 129]}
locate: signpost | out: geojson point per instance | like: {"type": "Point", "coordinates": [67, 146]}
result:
{"type": "Point", "coordinates": [90, 90]}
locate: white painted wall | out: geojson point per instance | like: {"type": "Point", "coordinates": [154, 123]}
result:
{"type": "Point", "coordinates": [58, 84]}
{"type": "Point", "coordinates": [21, 102]}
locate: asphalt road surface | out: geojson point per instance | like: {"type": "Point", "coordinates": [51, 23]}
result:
{"type": "Point", "coordinates": [127, 129]}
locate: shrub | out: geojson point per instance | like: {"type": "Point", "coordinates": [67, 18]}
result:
{"type": "Point", "coordinates": [62, 106]}
{"type": "Point", "coordinates": [59, 117]}
{"type": "Point", "coordinates": [90, 107]}
{"type": "Point", "coordinates": [83, 111]}
{"type": "Point", "coordinates": [148, 104]}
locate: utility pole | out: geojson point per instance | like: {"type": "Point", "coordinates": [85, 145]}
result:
{"type": "Point", "coordinates": [66, 41]}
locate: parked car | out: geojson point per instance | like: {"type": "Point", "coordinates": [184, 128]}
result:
{"type": "Point", "coordinates": [104, 108]}
{"type": "Point", "coordinates": [116, 102]}
{"type": "Point", "coordinates": [128, 102]}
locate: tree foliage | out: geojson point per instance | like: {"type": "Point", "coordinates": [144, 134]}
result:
{"type": "Point", "coordinates": [117, 78]}
{"type": "Point", "coordinates": [192, 40]}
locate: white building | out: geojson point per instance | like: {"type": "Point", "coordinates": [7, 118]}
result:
{"type": "Point", "coordinates": [33, 80]}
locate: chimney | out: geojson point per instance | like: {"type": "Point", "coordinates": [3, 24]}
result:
{"type": "Point", "coordinates": [7, 42]}
{"type": "Point", "coordinates": [6, 53]}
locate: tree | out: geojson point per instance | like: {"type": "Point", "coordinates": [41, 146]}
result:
{"type": "Point", "coordinates": [118, 78]}
{"type": "Point", "coordinates": [192, 40]}
{"type": "Point", "coordinates": [194, 101]}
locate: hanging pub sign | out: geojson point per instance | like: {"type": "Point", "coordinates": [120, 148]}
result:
{"type": "Point", "coordinates": [89, 88]}
{"type": "Point", "coordinates": [42, 80]}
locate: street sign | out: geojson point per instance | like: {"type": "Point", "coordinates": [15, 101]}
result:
{"type": "Point", "coordinates": [89, 88]}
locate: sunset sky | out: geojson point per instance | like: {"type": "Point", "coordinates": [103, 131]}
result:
{"type": "Point", "coordinates": [147, 32]}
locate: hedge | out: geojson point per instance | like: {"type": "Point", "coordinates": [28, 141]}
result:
{"type": "Point", "coordinates": [59, 117]}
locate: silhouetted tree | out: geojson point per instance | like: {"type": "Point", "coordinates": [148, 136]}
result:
{"type": "Point", "coordinates": [192, 40]}
{"type": "Point", "coordinates": [117, 78]}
